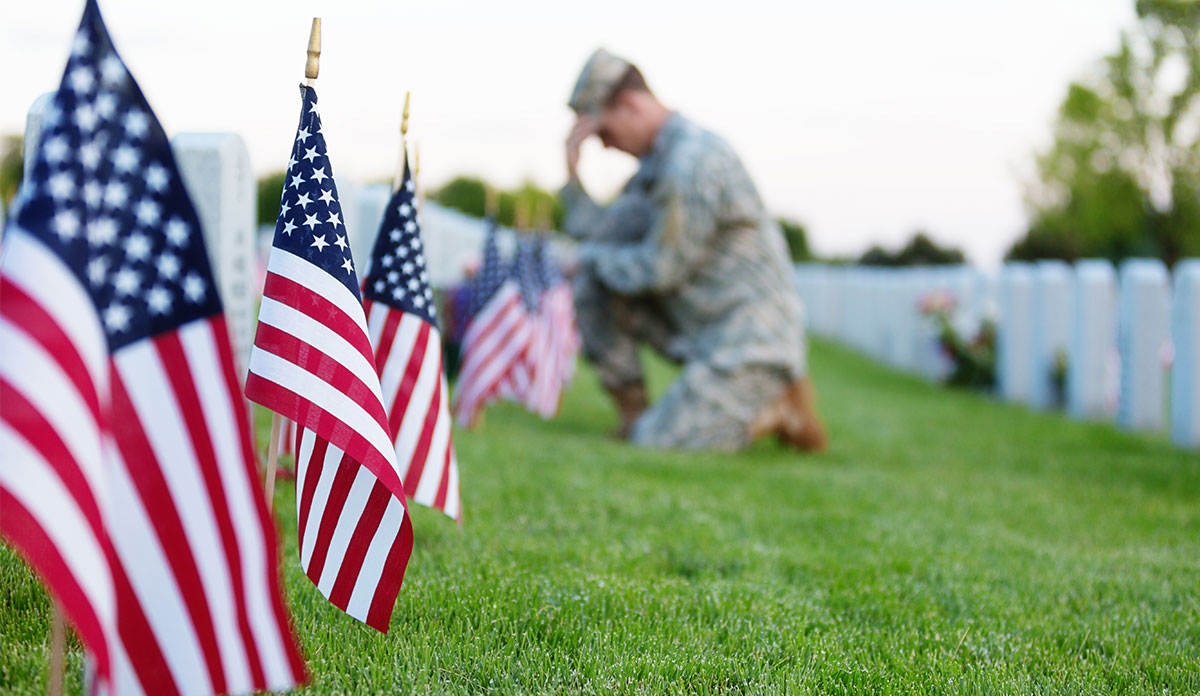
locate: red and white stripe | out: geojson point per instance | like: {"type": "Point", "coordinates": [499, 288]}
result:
{"type": "Point", "coordinates": [128, 483]}
{"type": "Point", "coordinates": [412, 376]}
{"type": "Point", "coordinates": [313, 363]}
{"type": "Point", "coordinates": [552, 351]}
{"type": "Point", "coordinates": [494, 346]}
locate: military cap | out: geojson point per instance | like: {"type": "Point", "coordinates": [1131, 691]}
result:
{"type": "Point", "coordinates": [596, 83]}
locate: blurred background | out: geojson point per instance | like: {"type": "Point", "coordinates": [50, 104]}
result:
{"type": "Point", "coordinates": [894, 133]}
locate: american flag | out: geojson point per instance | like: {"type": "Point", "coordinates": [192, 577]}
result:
{"type": "Point", "coordinates": [127, 479]}
{"type": "Point", "coordinates": [402, 321]}
{"type": "Point", "coordinates": [312, 362]}
{"type": "Point", "coordinates": [496, 339]}
{"type": "Point", "coordinates": [555, 341]}
{"type": "Point", "coordinates": [517, 385]}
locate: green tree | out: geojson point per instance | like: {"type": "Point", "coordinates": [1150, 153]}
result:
{"type": "Point", "coordinates": [465, 194]}
{"type": "Point", "coordinates": [1122, 177]}
{"type": "Point", "coordinates": [797, 239]}
{"type": "Point", "coordinates": [12, 168]}
{"type": "Point", "coordinates": [469, 195]}
{"type": "Point", "coordinates": [919, 251]}
{"type": "Point", "coordinates": [270, 189]}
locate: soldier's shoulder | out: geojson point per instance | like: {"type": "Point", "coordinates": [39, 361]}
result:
{"type": "Point", "coordinates": [698, 149]}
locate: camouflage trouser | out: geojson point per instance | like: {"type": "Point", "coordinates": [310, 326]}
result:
{"type": "Point", "coordinates": [704, 409]}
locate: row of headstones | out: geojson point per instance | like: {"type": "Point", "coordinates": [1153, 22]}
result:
{"type": "Point", "coordinates": [877, 310]}
{"type": "Point", "coordinates": [1131, 336]}
{"type": "Point", "coordinates": [1122, 333]}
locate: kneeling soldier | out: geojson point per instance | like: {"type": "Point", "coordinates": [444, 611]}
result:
{"type": "Point", "coordinates": [687, 260]}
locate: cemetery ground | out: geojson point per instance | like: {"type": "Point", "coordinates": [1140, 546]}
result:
{"type": "Point", "coordinates": [945, 544]}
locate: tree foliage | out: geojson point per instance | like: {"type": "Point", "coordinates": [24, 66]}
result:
{"type": "Point", "coordinates": [796, 237]}
{"type": "Point", "coordinates": [1122, 177]}
{"type": "Point", "coordinates": [12, 168]}
{"type": "Point", "coordinates": [919, 251]}
{"type": "Point", "coordinates": [469, 195]}
{"type": "Point", "coordinates": [270, 190]}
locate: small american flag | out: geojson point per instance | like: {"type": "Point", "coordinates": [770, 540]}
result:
{"type": "Point", "coordinates": [312, 362]}
{"type": "Point", "coordinates": [519, 382]}
{"type": "Point", "coordinates": [496, 339]}
{"type": "Point", "coordinates": [127, 478]}
{"type": "Point", "coordinates": [402, 321]}
{"type": "Point", "coordinates": [555, 341]}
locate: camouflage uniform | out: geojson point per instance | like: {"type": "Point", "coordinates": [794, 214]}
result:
{"type": "Point", "coordinates": [687, 260]}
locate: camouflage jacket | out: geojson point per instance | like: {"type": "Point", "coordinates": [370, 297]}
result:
{"type": "Point", "coordinates": [690, 229]}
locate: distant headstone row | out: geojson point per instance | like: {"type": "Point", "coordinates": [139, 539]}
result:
{"type": "Point", "coordinates": [1104, 343]}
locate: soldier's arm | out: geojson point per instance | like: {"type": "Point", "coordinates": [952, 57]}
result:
{"type": "Point", "coordinates": [582, 216]}
{"type": "Point", "coordinates": [685, 225]}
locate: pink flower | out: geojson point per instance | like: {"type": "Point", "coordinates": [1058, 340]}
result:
{"type": "Point", "coordinates": [937, 302]}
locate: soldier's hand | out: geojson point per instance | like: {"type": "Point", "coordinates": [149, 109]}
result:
{"type": "Point", "coordinates": [585, 127]}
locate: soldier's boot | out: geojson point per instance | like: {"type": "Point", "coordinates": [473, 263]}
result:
{"type": "Point", "coordinates": [793, 418]}
{"type": "Point", "coordinates": [631, 403]}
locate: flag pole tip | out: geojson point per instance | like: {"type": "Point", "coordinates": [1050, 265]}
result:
{"type": "Point", "coordinates": [404, 116]}
{"type": "Point", "coordinates": [313, 66]}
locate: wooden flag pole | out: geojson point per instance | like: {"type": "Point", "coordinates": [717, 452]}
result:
{"type": "Point", "coordinates": [398, 179]}
{"type": "Point", "coordinates": [521, 216]}
{"type": "Point", "coordinates": [491, 202]}
{"type": "Point", "coordinates": [58, 650]}
{"type": "Point", "coordinates": [541, 219]}
{"type": "Point", "coordinates": [273, 458]}
{"type": "Point", "coordinates": [312, 68]}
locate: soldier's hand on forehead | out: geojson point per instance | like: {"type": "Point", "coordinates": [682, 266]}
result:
{"type": "Point", "coordinates": [585, 126]}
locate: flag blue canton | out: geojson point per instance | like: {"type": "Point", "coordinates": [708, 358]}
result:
{"type": "Point", "coordinates": [548, 274]}
{"type": "Point", "coordinates": [398, 276]}
{"type": "Point", "coordinates": [524, 271]}
{"type": "Point", "coordinates": [310, 221]}
{"type": "Point", "coordinates": [491, 272]}
{"type": "Point", "coordinates": [105, 195]}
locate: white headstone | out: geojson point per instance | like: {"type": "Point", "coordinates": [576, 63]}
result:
{"type": "Point", "coordinates": [1142, 337]}
{"type": "Point", "coordinates": [930, 283]}
{"type": "Point", "coordinates": [1052, 313]}
{"type": "Point", "coordinates": [34, 121]}
{"type": "Point", "coordinates": [216, 171]}
{"type": "Point", "coordinates": [370, 200]}
{"type": "Point", "coordinates": [1091, 368]}
{"type": "Point", "coordinates": [1014, 339]}
{"type": "Point", "coordinates": [835, 314]}
{"type": "Point", "coordinates": [876, 313]}
{"type": "Point", "coordinates": [1185, 374]}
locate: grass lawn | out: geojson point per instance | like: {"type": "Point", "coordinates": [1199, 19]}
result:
{"type": "Point", "coordinates": [945, 544]}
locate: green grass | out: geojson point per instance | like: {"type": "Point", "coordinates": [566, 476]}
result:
{"type": "Point", "coordinates": [945, 544]}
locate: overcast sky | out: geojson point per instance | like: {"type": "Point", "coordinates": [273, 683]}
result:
{"type": "Point", "coordinates": [864, 120]}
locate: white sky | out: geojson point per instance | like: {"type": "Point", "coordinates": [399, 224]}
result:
{"type": "Point", "coordinates": [864, 120]}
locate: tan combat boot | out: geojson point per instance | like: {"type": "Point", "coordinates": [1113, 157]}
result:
{"type": "Point", "coordinates": [792, 418]}
{"type": "Point", "coordinates": [631, 403]}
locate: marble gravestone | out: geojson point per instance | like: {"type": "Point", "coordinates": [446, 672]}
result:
{"type": "Point", "coordinates": [1091, 370]}
{"type": "Point", "coordinates": [363, 224]}
{"type": "Point", "coordinates": [216, 171]}
{"type": "Point", "coordinates": [1142, 338]}
{"type": "Point", "coordinates": [34, 121]}
{"type": "Point", "coordinates": [1052, 312]}
{"type": "Point", "coordinates": [1014, 339]}
{"type": "Point", "coordinates": [1185, 373]}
